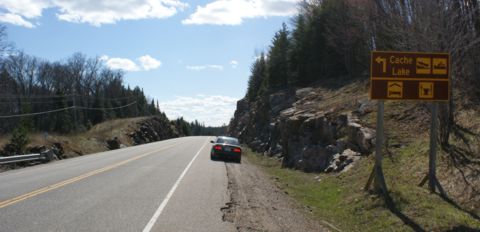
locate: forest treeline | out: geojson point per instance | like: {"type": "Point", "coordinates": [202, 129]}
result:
{"type": "Point", "coordinates": [330, 42]}
{"type": "Point", "coordinates": [196, 128]}
{"type": "Point", "coordinates": [82, 91]}
{"type": "Point", "coordinates": [332, 39]}
{"type": "Point", "coordinates": [70, 95]}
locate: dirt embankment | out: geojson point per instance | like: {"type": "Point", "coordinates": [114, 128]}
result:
{"type": "Point", "coordinates": [105, 136]}
{"type": "Point", "coordinates": [257, 204]}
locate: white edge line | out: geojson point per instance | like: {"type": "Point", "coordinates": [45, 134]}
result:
{"type": "Point", "coordinates": [157, 213]}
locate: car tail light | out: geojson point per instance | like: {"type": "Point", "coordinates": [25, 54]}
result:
{"type": "Point", "coordinates": [218, 148]}
{"type": "Point", "coordinates": [237, 150]}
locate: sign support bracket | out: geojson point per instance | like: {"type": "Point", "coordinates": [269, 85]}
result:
{"type": "Point", "coordinates": [431, 176]}
{"type": "Point", "coordinates": [377, 176]}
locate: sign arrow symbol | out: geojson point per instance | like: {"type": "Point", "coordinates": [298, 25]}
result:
{"type": "Point", "coordinates": [383, 61]}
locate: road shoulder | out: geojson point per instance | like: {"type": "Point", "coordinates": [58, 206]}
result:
{"type": "Point", "coordinates": [257, 204]}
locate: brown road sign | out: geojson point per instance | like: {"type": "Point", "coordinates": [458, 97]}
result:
{"type": "Point", "coordinates": [410, 76]}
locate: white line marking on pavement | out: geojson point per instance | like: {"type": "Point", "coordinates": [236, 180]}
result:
{"type": "Point", "coordinates": [155, 216]}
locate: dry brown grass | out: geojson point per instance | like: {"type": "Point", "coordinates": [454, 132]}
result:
{"type": "Point", "coordinates": [88, 142]}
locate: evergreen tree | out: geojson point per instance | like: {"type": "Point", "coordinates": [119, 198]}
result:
{"type": "Point", "coordinates": [278, 61]}
{"type": "Point", "coordinates": [63, 121]}
{"type": "Point", "coordinates": [257, 78]}
{"type": "Point", "coordinates": [19, 138]}
{"type": "Point", "coordinates": [98, 115]}
{"type": "Point", "coordinates": [298, 53]}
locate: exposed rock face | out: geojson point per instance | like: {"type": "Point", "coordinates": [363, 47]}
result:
{"type": "Point", "coordinates": [152, 130]}
{"type": "Point", "coordinates": [9, 150]}
{"type": "Point", "coordinates": [113, 144]}
{"type": "Point", "coordinates": [36, 149]}
{"type": "Point", "coordinates": [289, 125]}
{"type": "Point", "coordinates": [341, 161]}
{"type": "Point", "coordinates": [58, 150]}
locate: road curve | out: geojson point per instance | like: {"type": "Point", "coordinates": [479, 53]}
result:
{"type": "Point", "coordinates": [165, 186]}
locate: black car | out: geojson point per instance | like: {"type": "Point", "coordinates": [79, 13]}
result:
{"type": "Point", "coordinates": [227, 148]}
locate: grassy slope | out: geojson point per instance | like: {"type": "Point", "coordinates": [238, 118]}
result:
{"type": "Point", "coordinates": [87, 142]}
{"type": "Point", "coordinates": [341, 200]}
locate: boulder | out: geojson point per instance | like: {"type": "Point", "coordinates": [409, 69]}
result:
{"type": "Point", "coordinates": [10, 150]}
{"type": "Point", "coordinates": [58, 150]}
{"type": "Point", "coordinates": [317, 158]}
{"type": "Point", "coordinates": [341, 161]}
{"type": "Point", "coordinates": [364, 107]}
{"type": "Point", "coordinates": [36, 149]}
{"type": "Point", "coordinates": [361, 137]}
{"type": "Point", "coordinates": [278, 102]}
{"type": "Point", "coordinates": [302, 93]}
{"type": "Point", "coordinates": [113, 144]}
{"type": "Point", "coordinates": [242, 106]}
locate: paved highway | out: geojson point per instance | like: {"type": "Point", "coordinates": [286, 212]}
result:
{"type": "Point", "coordinates": [165, 186]}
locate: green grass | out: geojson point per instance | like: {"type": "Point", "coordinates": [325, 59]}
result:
{"type": "Point", "coordinates": [340, 199]}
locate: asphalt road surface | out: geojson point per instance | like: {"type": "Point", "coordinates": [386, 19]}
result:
{"type": "Point", "coordinates": [165, 186]}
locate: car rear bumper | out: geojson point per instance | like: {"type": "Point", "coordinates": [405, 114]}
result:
{"type": "Point", "coordinates": [225, 155]}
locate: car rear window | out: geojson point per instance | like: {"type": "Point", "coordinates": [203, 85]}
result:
{"type": "Point", "coordinates": [228, 141]}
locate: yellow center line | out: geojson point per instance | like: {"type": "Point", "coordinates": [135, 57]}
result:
{"type": "Point", "coordinates": [74, 179]}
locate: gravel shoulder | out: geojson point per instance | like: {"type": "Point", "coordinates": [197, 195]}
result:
{"type": "Point", "coordinates": [257, 204]}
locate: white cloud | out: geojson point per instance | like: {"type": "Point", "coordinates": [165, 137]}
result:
{"type": "Point", "coordinates": [203, 67]}
{"type": "Point", "coordinates": [147, 62]}
{"type": "Point", "coordinates": [233, 12]}
{"type": "Point", "coordinates": [16, 20]}
{"type": "Point", "coordinates": [94, 12]}
{"type": "Point", "coordinates": [234, 63]}
{"type": "Point", "coordinates": [211, 110]}
{"type": "Point", "coordinates": [120, 63]}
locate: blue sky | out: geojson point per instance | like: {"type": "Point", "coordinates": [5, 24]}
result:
{"type": "Point", "coordinates": [193, 56]}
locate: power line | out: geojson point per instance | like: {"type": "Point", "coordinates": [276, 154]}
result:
{"type": "Point", "coordinates": [112, 108]}
{"type": "Point", "coordinates": [38, 113]}
{"type": "Point", "coordinates": [10, 96]}
{"type": "Point", "coordinates": [35, 102]}
{"type": "Point", "coordinates": [59, 96]}
{"type": "Point", "coordinates": [2, 101]}
{"type": "Point", "coordinates": [67, 108]}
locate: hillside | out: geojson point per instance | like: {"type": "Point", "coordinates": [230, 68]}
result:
{"type": "Point", "coordinates": [104, 136]}
{"type": "Point", "coordinates": [329, 132]}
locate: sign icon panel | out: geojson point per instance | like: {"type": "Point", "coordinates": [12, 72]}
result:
{"type": "Point", "coordinates": [440, 66]}
{"type": "Point", "coordinates": [424, 65]}
{"type": "Point", "coordinates": [425, 90]}
{"type": "Point", "coordinates": [395, 89]}
{"type": "Point", "coordinates": [410, 76]}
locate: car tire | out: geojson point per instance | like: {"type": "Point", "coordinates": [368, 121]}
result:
{"type": "Point", "coordinates": [239, 160]}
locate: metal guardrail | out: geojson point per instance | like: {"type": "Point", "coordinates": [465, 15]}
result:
{"type": "Point", "coordinates": [46, 156]}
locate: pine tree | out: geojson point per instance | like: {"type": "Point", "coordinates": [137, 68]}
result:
{"type": "Point", "coordinates": [278, 61]}
{"type": "Point", "coordinates": [19, 138]}
{"type": "Point", "coordinates": [63, 121]}
{"type": "Point", "coordinates": [98, 115]}
{"type": "Point", "coordinates": [298, 53]}
{"type": "Point", "coordinates": [257, 78]}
